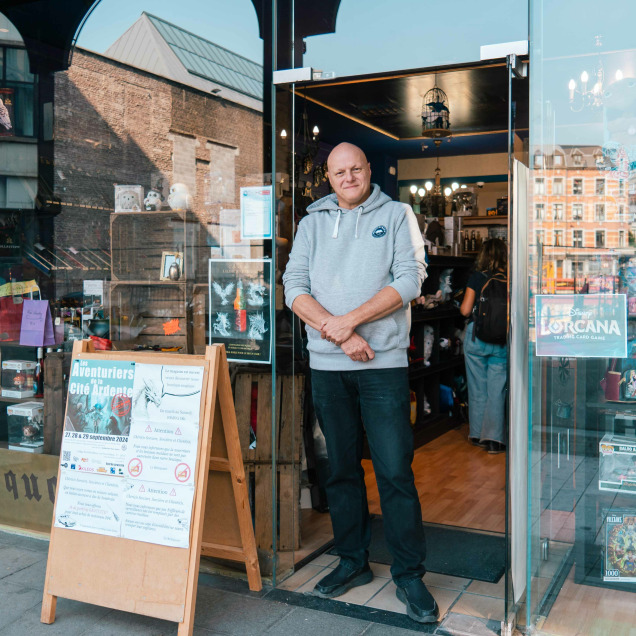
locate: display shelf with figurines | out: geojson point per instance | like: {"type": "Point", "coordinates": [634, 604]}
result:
{"type": "Point", "coordinates": [436, 361]}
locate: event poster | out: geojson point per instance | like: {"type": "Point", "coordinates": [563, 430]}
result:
{"type": "Point", "coordinates": [129, 450]}
{"type": "Point", "coordinates": [240, 308]}
{"type": "Point", "coordinates": [256, 212]}
{"type": "Point", "coordinates": [581, 325]}
{"type": "Point", "coordinates": [620, 546]}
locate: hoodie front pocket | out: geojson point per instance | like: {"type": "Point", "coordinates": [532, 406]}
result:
{"type": "Point", "coordinates": [382, 335]}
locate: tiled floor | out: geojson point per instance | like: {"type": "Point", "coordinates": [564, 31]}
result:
{"type": "Point", "coordinates": [453, 594]}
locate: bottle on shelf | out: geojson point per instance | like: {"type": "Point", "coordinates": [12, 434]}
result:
{"type": "Point", "coordinates": [466, 241]}
{"type": "Point", "coordinates": [473, 242]}
{"type": "Point", "coordinates": [38, 381]}
{"type": "Point", "coordinates": [240, 312]}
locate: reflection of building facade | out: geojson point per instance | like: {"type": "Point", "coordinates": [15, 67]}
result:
{"type": "Point", "coordinates": [580, 205]}
{"type": "Point", "coordinates": [116, 123]}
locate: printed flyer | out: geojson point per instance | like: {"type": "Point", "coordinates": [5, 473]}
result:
{"type": "Point", "coordinates": [240, 293]}
{"type": "Point", "coordinates": [129, 450]}
{"type": "Point", "coordinates": [620, 546]}
{"type": "Point", "coordinates": [581, 325]}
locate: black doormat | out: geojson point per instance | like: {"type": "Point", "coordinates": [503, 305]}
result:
{"type": "Point", "coordinates": [470, 555]}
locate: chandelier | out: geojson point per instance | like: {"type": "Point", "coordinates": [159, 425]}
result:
{"type": "Point", "coordinates": [435, 113]}
{"type": "Point", "coordinates": [432, 199]}
{"type": "Point", "coordinates": [590, 91]}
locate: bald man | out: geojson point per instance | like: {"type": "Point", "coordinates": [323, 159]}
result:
{"type": "Point", "coordinates": [356, 264]}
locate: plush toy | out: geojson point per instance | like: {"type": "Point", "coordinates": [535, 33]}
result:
{"type": "Point", "coordinates": [153, 200]}
{"type": "Point", "coordinates": [128, 201]}
{"type": "Point", "coordinates": [179, 197]}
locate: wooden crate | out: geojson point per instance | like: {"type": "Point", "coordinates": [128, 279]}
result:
{"type": "Point", "coordinates": [258, 461]}
{"type": "Point", "coordinates": [139, 240]}
{"type": "Point", "coordinates": [151, 314]}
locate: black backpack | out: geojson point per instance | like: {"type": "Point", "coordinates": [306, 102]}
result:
{"type": "Point", "coordinates": [491, 311]}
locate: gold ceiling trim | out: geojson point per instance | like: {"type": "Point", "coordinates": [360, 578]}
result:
{"type": "Point", "coordinates": [366, 124]}
{"type": "Point", "coordinates": [420, 73]}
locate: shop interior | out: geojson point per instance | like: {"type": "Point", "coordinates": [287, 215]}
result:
{"type": "Point", "coordinates": [458, 186]}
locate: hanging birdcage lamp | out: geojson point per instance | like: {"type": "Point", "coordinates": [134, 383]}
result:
{"type": "Point", "coordinates": [435, 114]}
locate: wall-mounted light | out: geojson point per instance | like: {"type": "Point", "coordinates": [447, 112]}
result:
{"type": "Point", "coordinates": [283, 135]}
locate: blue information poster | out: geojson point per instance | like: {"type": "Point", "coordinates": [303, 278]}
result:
{"type": "Point", "coordinates": [581, 325]}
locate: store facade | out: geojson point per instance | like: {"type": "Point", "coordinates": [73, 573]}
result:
{"type": "Point", "coordinates": [150, 194]}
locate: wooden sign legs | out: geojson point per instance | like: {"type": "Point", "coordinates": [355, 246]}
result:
{"type": "Point", "coordinates": [228, 532]}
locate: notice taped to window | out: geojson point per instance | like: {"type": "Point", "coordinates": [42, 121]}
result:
{"type": "Point", "coordinates": [130, 449]}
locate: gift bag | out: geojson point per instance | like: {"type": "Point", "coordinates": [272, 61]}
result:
{"type": "Point", "coordinates": [611, 382]}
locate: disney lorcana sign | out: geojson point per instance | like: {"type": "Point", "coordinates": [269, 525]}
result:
{"type": "Point", "coordinates": [581, 325]}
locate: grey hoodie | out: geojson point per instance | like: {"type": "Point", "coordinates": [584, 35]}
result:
{"type": "Point", "coordinates": [343, 258]}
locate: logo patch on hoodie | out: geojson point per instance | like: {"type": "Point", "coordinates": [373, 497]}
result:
{"type": "Point", "coordinates": [379, 232]}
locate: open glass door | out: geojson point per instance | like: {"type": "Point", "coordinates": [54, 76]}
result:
{"type": "Point", "coordinates": [516, 495]}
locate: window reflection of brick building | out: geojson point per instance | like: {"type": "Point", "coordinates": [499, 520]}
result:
{"type": "Point", "coordinates": [581, 218]}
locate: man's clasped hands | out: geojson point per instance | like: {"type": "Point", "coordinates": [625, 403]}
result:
{"type": "Point", "coordinates": [341, 331]}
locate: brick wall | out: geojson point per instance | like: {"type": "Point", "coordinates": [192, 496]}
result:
{"type": "Point", "coordinates": [118, 125]}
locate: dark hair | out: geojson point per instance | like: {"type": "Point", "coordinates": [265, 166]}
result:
{"type": "Point", "coordinates": [493, 256]}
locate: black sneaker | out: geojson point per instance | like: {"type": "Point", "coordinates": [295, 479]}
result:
{"type": "Point", "coordinates": [341, 580]}
{"type": "Point", "coordinates": [420, 604]}
{"type": "Point", "coordinates": [494, 448]}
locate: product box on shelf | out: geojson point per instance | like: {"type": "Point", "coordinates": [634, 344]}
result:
{"type": "Point", "coordinates": [619, 563]}
{"type": "Point", "coordinates": [18, 378]}
{"type": "Point", "coordinates": [617, 464]}
{"type": "Point", "coordinates": [25, 423]}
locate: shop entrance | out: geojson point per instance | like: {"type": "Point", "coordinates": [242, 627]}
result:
{"type": "Point", "coordinates": [461, 188]}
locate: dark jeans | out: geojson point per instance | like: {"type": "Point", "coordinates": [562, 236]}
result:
{"type": "Point", "coordinates": [377, 399]}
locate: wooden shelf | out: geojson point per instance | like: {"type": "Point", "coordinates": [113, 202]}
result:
{"type": "Point", "coordinates": [499, 219]}
{"type": "Point", "coordinates": [418, 370]}
{"type": "Point", "coordinates": [10, 400]}
{"type": "Point", "coordinates": [116, 282]}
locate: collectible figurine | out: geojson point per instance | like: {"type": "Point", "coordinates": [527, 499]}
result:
{"type": "Point", "coordinates": [429, 337]}
{"type": "Point", "coordinates": [153, 200]}
{"type": "Point", "coordinates": [179, 197]}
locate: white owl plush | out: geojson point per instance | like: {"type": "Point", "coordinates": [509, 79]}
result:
{"type": "Point", "coordinates": [153, 200]}
{"type": "Point", "coordinates": [179, 197]}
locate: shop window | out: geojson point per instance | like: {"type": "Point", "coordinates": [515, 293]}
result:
{"type": "Point", "coordinates": [557, 211]}
{"type": "Point", "coordinates": [577, 186]}
{"type": "Point", "coordinates": [599, 238]}
{"type": "Point", "coordinates": [557, 186]}
{"type": "Point", "coordinates": [577, 211]}
{"type": "Point", "coordinates": [539, 209]}
{"type": "Point", "coordinates": [599, 187]}
{"type": "Point", "coordinates": [577, 238]}
{"type": "Point", "coordinates": [539, 185]}
{"type": "Point", "coordinates": [599, 211]}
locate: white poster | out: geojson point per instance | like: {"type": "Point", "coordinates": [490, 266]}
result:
{"type": "Point", "coordinates": [167, 394]}
{"type": "Point", "coordinates": [89, 502]}
{"type": "Point", "coordinates": [130, 449]}
{"type": "Point", "coordinates": [165, 452]}
{"type": "Point", "coordinates": [256, 212]}
{"type": "Point", "coordinates": [157, 513]}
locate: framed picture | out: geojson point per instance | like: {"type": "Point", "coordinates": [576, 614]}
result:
{"type": "Point", "coordinates": [172, 260]}
{"type": "Point", "coordinates": [129, 198]}
{"type": "Point", "coordinates": [240, 310]}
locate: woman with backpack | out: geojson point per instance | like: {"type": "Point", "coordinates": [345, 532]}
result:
{"type": "Point", "coordinates": [485, 348]}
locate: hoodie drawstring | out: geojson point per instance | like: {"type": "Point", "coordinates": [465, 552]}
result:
{"type": "Point", "coordinates": [336, 226]}
{"type": "Point", "coordinates": [358, 220]}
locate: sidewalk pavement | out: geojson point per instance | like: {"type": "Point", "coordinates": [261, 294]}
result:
{"type": "Point", "coordinates": [224, 606]}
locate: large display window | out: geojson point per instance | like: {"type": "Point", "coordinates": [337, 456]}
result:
{"type": "Point", "coordinates": [581, 259]}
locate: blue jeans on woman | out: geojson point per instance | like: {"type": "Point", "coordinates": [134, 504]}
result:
{"type": "Point", "coordinates": [378, 400]}
{"type": "Point", "coordinates": [486, 377]}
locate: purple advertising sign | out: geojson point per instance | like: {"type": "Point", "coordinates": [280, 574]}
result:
{"type": "Point", "coordinates": [581, 325]}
